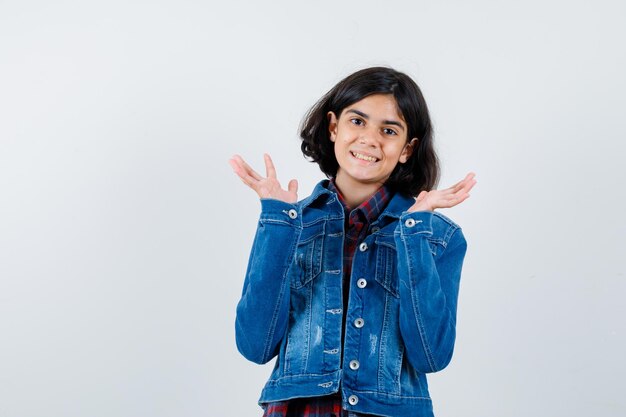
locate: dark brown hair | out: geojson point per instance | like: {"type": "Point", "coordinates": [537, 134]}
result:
{"type": "Point", "coordinates": [421, 171]}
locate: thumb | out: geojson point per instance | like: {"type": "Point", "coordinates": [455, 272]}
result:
{"type": "Point", "coordinates": [292, 187]}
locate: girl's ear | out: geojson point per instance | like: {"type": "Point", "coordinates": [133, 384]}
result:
{"type": "Point", "coordinates": [332, 125]}
{"type": "Point", "coordinates": [408, 150]}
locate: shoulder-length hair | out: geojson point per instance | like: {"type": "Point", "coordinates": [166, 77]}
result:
{"type": "Point", "coordinates": [421, 171]}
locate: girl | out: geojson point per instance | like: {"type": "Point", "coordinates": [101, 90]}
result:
{"type": "Point", "coordinates": [355, 287]}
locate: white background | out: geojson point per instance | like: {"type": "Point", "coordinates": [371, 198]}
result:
{"type": "Point", "coordinates": [124, 235]}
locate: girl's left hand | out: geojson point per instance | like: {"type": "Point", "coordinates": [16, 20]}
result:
{"type": "Point", "coordinates": [450, 197]}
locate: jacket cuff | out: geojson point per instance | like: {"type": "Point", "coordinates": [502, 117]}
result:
{"type": "Point", "coordinates": [278, 211]}
{"type": "Point", "coordinates": [417, 222]}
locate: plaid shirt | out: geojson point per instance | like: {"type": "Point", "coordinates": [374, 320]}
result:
{"type": "Point", "coordinates": [357, 227]}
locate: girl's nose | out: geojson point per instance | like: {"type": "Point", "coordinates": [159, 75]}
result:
{"type": "Point", "coordinates": [367, 138]}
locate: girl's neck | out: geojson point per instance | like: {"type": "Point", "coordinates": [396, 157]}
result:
{"type": "Point", "coordinates": [355, 193]}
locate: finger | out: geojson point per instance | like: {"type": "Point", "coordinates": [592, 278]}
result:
{"type": "Point", "coordinates": [250, 170]}
{"type": "Point", "coordinates": [250, 181]}
{"type": "Point", "coordinates": [237, 168]}
{"type": "Point", "coordinates": [461, 187]}
{"type": "Point", "coordinates": [457, 199]}
{"type": "Point", "coordinates": [467, 186]}
{"type": "Point", "coordinates": [233, 164]}
{"type": "Point", "coordinates": [462, 183]}
{"type": "Point", "coordinates": [292, 187]}
{"type": "Point", "coordinates": [244, 176]}
{"type": "Point", "coordinates": [269, 167]}
{"type": "Point", "coordinates": [247, 167]}
{"type": "Point", "coordinates": [456, 185]}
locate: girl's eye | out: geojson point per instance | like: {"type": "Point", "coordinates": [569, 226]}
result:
{"type": "Point", "coordinates": [389, 131]}
{"type": "Point", "coordinates": [357, 122]}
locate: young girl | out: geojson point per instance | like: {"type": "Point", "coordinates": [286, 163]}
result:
{"type": "Point", "coordinates": [355, 287]}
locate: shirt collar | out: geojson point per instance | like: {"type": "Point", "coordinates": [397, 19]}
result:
{"type": "Point", "coordinates": [370, 209]}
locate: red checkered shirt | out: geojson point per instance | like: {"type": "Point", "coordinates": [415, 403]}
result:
{"type": "Point", "coordinates": [357, 227]}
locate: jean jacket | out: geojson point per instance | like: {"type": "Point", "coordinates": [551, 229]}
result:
{"type": "Point", "coordinates": [401, 312]}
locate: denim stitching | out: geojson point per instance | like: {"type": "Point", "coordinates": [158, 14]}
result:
{"type": "Point", "coordinates": [310, 258]}
{"type": "Point", "coordinates": [399, 368]}
{"type": "Point", "coordinates": [285, 276]}
{"type": "Point", "coordinates": [416, 312]}
{"type": "Point", "coordinates": [382, 346]}
{"type": "Point", "coordinates": [384, 267]}
{"type": "Point", "coordinates": [276, 221]}
{"type": "Point", "coordinates": [305, 356]}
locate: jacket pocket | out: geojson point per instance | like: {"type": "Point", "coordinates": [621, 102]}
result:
{"type": "Point", "coordinates": [387, 258]}
{"type": "Point", "coordinates": [308, 259]}
{"type": "Point", "coordinates": [386, 265]}
{"type": "Point", "coordinates": [433, 245]}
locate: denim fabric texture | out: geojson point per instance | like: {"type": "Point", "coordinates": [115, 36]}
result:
{"type": "Point", "coordinates": [401, 312]}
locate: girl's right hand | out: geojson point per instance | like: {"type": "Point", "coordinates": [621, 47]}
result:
{"type": "Point", "coordinates": [450, 197]}
{"type": "Point", "coordinates": [268, 187]}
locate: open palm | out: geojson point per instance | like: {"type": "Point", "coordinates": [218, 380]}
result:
{"type": "Point", "coordinates": [265, 187]}
{"type": "Point", "coordinates": [450, 197]}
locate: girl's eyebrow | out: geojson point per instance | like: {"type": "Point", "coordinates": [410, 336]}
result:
{"type": "Point", "coordinates": [366, 117]}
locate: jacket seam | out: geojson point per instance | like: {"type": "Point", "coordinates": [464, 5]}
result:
{"type": "Point", "coordinates": [279, 299]}
{"type": "Point", "coordinates": [416, 310]}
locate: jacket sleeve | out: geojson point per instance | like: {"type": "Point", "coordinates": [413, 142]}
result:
{"type": "Point", "coordinates": [428, 288]}
{"type": "Point", "coordinates": [263, 310]}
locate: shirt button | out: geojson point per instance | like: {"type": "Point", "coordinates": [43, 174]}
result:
{"type": "Point", "coordinates": [361, 283]}
{"type": "Point", "coordinates": [409, 223]}
{"type": "Point", "coordinates": [354, 365]}
{"type": "Point", "coordinates": [292, 213]}
{"type": "Point", "coordinates": [363, 247]}
{"type": "Point", "coordinates": [358, 323]}
{"type": "Point", "coordinates": [353, 399]}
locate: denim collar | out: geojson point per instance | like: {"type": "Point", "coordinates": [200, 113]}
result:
{"type": "Point", "coordinates": [399, 203]}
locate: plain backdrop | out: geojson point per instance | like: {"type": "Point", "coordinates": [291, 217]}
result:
{"type": "Point", "coordinates": [124, 234]}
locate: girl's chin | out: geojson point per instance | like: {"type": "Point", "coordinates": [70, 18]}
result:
{"type": "Point", "coordinates": [360, 178]}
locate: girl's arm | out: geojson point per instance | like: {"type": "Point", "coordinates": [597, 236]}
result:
{"type": "Point", "coordinates": [428, 288]}
{"type": "Point", "coordinates": [429, 282]}
{"type": "Point", "coordinates": [263, 310]}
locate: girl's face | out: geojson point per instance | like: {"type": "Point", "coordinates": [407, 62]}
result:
{"type": "Point", "coordinates": [370, 139]}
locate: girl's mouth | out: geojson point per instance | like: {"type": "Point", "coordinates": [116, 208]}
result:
{"type": "Point", "coordinates": [363, 157]}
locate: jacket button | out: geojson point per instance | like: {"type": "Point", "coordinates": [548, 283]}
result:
{"type": "Point", "coordinates": [358, 323]}
{"type": "Point", "coordinates": [363, 247]}
{"type": "Point", "coordinates": [354, 365]}
{"type": "Point", "coordinates": [375, 229]}
{"type": "Point", "coordinates": [292, 213]}
{"type": "Point", "coordinates": [353, 399]}
{"type": "Point", "coordinates": [361, 283]}
{"type": "Point", "coordinates": [409, 223]}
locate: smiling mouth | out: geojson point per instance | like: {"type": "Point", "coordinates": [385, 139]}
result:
{"type": "Point", "coordinates": [364, 157]}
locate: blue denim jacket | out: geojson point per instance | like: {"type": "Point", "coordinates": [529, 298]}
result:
{"type": "Point", "coordinates": [401, 313]}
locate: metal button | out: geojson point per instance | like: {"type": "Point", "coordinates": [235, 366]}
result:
{"type": "Point", "coordinates": [375, 229]}
{"type": "Point", "coordinates": [358, 323]}
{"type": "Point", "coordinates": [361, 283]}
{"type": "Point", "coordinates": [292, 213]}
{"type": "Point", "coordinates": [409, 223]}
{"type": "Point", "coordinates": [354, 365]}
{"type": "Point", "coordinates": [353, 399]}
{"type": "Point", "coordinates": [363, 247]}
